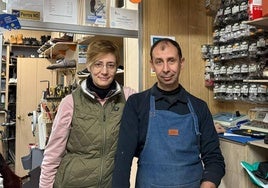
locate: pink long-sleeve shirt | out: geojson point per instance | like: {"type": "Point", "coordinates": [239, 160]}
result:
{"type": "Point", "coordinates": [55, 149]}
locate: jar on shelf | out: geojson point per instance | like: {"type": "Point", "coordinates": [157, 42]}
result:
{"type": "Point", "coordinates": [223, 75]}
{"type": "Point", "coordinates": [244, 69]}
{"type": "Point", "coordinates": [243, 11]}
{"type": "Point", "coordinates": [205, 51]}
{"type": "Point", "coordinates": [237, 70]}
{"type": "Point", "coordinates": [253, 92]}
{"type": "Point", "coordinates": [222, 90]}
{"type": "Point", "coordinates": [237, 91]}
{"type": "Point", "coordinates": [216, 91]}
{"type": "Point", "coordinates": [229, 71]}
{"type": "Point", "coordinates": [262, 93]}
{"type": "Point", "coordinates": [229, 92]}
{"type": "Point", "coordinates": [252, 49]}
{"type": "Point", "coordinates": [244, 91]}
{"type": "Point", "coordinates": [253, 69]}
{"type": "Point", "coordinates": [216, 71]}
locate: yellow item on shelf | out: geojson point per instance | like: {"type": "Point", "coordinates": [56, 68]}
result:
{"type": "Point", "coordinates": [13, 39]}
{"type": "Point", "coordinates": [19, 39]}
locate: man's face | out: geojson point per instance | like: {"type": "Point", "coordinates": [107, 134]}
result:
{"type": "Point", "coordinates": [167, 65]}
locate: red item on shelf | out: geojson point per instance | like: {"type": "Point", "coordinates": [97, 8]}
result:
{"type": "Point", "coordinates": [255, 9]}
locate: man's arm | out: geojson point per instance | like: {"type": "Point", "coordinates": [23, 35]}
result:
{"type": "Point", "coordinates": [214, 166]}
{"type": "Point", "coordinates": [127, 143]}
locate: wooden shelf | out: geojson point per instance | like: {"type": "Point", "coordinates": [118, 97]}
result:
{"type": "Point", "coordinates": [59, 48]}
{"type": "Point", "coordinates": [79, 29]}
{"type": "Point", "coordinates": [23, 46]}
{"type": "Point", "coordinates": [256, 81]}
{"type": "Point", "coordinates": [118, 72]}
{"type": "Point", "coordinates": [259, 143]}
{"type": "Point", "coordinates": [259, 23]}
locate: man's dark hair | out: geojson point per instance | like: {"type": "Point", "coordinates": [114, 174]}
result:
{"type": "Point", "coordinates": [166, 40]}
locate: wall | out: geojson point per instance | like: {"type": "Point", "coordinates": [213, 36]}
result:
{"type": "Point", "coordinates": [188, 22]}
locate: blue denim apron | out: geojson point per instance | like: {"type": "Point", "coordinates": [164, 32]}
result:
{"type": "Point", "coordinates": [170, 157]}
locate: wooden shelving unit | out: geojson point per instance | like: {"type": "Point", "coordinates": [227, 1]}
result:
{"type": "Point", "coordinates": [259, 23]}
{"type": "Point", "coordinates": [59, 48]}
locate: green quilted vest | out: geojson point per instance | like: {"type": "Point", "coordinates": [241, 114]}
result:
{"type": "Point", "coordinates": [89, 159]}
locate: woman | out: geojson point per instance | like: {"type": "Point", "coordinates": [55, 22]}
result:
{"type": "Point", "coordinates": [80, 151]}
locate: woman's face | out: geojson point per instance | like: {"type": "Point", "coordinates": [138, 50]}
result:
{"type": "Point", "coordinates": [103, 70]}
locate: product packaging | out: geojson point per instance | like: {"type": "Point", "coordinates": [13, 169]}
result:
{"type": "Point", "coordinates": [255, 9]}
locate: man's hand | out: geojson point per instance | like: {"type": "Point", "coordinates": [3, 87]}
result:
{"type": "Point", "coordinates": [219, 128]}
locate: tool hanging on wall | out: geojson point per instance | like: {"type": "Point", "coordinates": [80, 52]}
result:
{"type": "Point", "coordinates": [46, 93]}
{"type": "Point", "coordinates": [38, 125]}
{"type": "Point", "coordinates": [34, 121]}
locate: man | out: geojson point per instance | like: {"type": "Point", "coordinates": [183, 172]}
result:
{"type": "Point", "coordinates": [169, 130]}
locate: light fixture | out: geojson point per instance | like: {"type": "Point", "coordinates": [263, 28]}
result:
{"type": "Point", "coordinates": [135, 1]}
